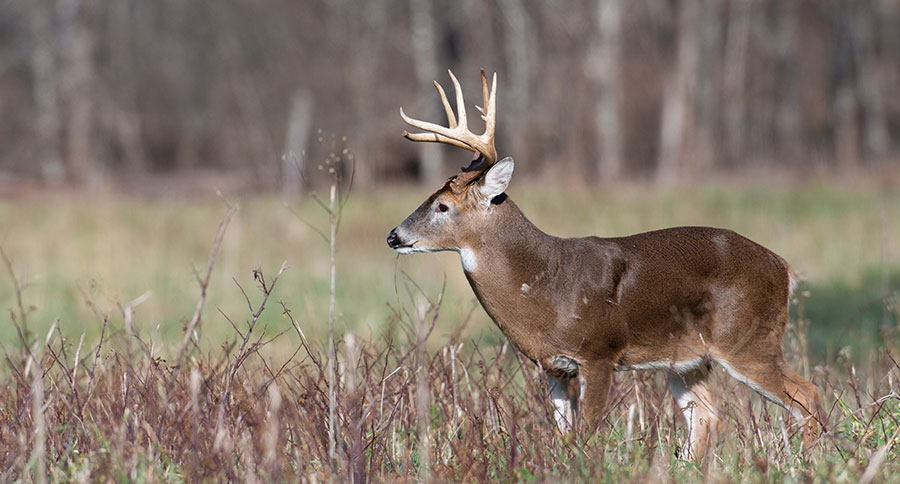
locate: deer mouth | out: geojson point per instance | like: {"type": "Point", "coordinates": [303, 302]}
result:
{"type": "Point", "coordinates": [405, 248]}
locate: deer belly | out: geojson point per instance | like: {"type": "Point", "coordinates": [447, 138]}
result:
{"type": "Point", "coordinates": [678, 366]}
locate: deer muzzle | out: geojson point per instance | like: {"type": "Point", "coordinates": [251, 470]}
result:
{"type": "Point", "coordinates": [393, 240]}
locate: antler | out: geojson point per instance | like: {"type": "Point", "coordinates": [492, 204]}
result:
{"type": "Point", "coordinates": [459, 134]}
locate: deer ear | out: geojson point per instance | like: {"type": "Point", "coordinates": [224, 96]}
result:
{"type": "Point", "coordinates": [497, 178]}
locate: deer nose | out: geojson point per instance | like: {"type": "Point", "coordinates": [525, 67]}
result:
{"type": "Point", "coordinates": [393, 240]}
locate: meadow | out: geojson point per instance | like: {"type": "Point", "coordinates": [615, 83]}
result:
{"type": "Point", "coordinates": [96, 387]}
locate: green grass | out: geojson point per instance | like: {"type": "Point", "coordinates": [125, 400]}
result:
{"type": "Point", "coordinates": [68, 249]}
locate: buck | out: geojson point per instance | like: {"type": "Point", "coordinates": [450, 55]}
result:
{"type": "Point", "coordinates": [677, 299]}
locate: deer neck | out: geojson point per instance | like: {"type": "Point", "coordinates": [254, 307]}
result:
{"type": "Point", "coordinates": [511, 261]}
{"type": "Point", "coordinates": [508, 246]}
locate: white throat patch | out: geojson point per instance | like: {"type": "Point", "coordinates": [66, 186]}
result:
{"type": "Point", "coordinates": [469, 261]}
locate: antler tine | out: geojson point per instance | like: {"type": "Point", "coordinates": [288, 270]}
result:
{"type": "Point", "coordinates": [489, 111]}
{"type": "Point", "coordinates": [460, 102]}
{"type": "Point", "coordinates": [438, 133]}
{"type": "Point", "coordinates": [451, 119]}
{"type": "Point", "coordinates": [490, 121]}
{"type": "Point", "coordinates": [489, 99]}
{"type": "Point", "coordinates": [484, 91]}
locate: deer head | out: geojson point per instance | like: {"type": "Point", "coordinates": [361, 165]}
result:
{"type": "Point", "coordinates": [462, 208]}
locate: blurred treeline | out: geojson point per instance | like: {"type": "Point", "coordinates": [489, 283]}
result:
{"type": "Point", "coordinates": [663, 90]}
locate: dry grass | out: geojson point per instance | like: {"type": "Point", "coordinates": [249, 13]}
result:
{"type": "Point", "coordinates": [119, 411]}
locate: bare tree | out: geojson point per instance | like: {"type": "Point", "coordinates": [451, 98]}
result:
{"type": "Point", "coordinates": [252, 113]}
{"type": "Point", "coordinates": [366, 62]}
{"type": "Point", "coordinates": [519, 51]}
{"type": "Point", "coordinates": [121, 107]}
{"type": "Point", "coordinates": [47, 113]}
{"type": "Point", "coordinates": [76, 78]}
{"type": "Point", "coordinates": [889, 36]}
{"type": "Point", "coordinates": [869, 82]}
{"type": "Point", "coordinates": [846, 103]}
{"type": "Point", "coordinates": [605, 72]}
{"type": "Point", "coordinates": [736, 47]}
{"type": "Point", "coordinates": [471, 36]}
{"type": "Point", "coordinates": [788, 108]}
{"type": "Point", "coordinates": [425, 60]}
{"type": "Point", "coordinates": [708, 79]}
{"type": "Point", "coordinates": [91, 88]}
{"type": "Point", "coordinates": [677, 111]}
{"type": "Point", "coordinates": [293, 161]}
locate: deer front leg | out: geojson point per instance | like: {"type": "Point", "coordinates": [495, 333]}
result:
{"type": "Point", "coordinates": [595, 377]}
{"type": "Point", "coordinates": [564, 394]}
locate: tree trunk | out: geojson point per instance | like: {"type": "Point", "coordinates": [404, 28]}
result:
{"type": "Point", "coordinates": [365, 56]}
{"type": "Point", "coordinates": [846, 103]}
{"type": "Point", "coordinates": [846, 137]}
{"type": "Point", "coordinates": [736, 46]}
{"type": "Point", "coordinates": [677, 123]}
{"type": "Point", "coordinates": [605, 72]}
{"type": "Point", "coordinates": [293, 159]}
{"type": "Point", "coordinates": [889, 18]}
{"type": "Point", "coordinates": [122, 105]}
{"type": "Point", "coordinates": [869, 78]}
{"type": "Point", "coordinates": [77, 79]}
{"type": "Point", "coordinates": [519, 46]}
{"type": "Point", "coordinates": [788, 120]}
{"type": "Point", "coordinates": [47, 112]}
{"type": "Point", "coordinates": [261, 149]}
{"type": "Point", "coordinates": [708, 82]}
{"type": "Point", "coordinates": [431, 159]}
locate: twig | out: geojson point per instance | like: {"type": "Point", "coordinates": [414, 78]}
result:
{"type": "Point", "coordinates": [331, 351]}
{"type": "Point", "coordinates": [204, 283]}
{"type": "Point", "coordinates": [308, 224]}
{"type": "Point", "coordinates": [338, 195]}
{"type": "Point", "coordinates": [422, 387]}
{"type": "Point", "coordinates": [40, 427]}
{"type": "Point", "coordinates": [246, 297]}
{"type": "Point", "coordinates": [18, 290]}
{"type": "Point", "coordinates": [241, 356]}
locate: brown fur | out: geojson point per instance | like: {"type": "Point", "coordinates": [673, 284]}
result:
{"type": "Point", "coordinates": [673, 295]}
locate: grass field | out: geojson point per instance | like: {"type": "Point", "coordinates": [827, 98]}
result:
{"type": "Point", "coordinates": [112, 249]}
{"type": "Point", "coordinates": [125, 408]}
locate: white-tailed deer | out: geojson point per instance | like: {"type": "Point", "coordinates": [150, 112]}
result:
{"type": "Point", "coordinates": [676, 299]}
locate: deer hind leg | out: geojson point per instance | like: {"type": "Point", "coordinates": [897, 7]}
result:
{"type": "Point", "coordinates": [691, 391]}
{"type": "Point", "coordinates": [778, 384]}
{"type": "Point", "coordinates": [803, 396]}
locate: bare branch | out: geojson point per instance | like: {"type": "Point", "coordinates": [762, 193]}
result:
{"type": "Point", "coordinates": [18, 290]}
{"type": "Point", "coordinates": [204, 283]}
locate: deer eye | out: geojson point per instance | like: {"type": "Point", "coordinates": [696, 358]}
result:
{"type": "Point", "coordinates": [442, 208]}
